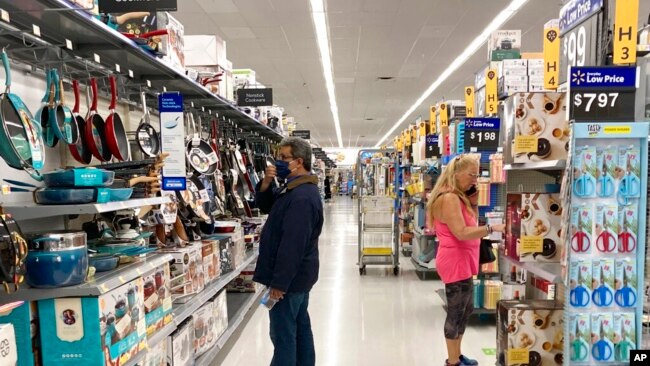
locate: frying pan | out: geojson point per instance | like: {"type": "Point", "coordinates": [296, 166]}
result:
{"type": "Point", "coordinates": [66, 127]}
{"type": "Point", "coordinates": [146, 136]}
{"type": "Point", "coordinates": [43, 113]}
{"type": "Point", "coordinates": [199, 153]}
{"type": "Point", "coordinates": [96, 128]}
{"type": "Point", "coordinates": [118, 142]}
{"type": "Point", "coordinates": [193, 205]}
{"type": "Point", "coordinates": [80, 152]}
{"type": "Point", "coordinates": [21, 144]}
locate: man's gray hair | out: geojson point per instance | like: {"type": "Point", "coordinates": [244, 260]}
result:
{"type": "Point", "coordinates": [299, 149]}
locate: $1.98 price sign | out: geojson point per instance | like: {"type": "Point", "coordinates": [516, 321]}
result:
{"type": "Point", "coordinates": [482, 134]}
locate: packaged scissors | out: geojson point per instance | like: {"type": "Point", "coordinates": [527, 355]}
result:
{"type": "Point", "coordinates": [580, 283]}
{"type": "Point", "coordinates": [603, 282]}
{"type": "Point", "coordinates": [585, 172]}
{"type": "Point", "coordinates": [579, 336]}
{"type": "Point", "coordinates": [624, 335]}
{"type": "Point", "coordinates": [626, 283]}
{"type": "Point", "coordinates": [602, 330]}
{"type": "Point", "coordinates": [606, 233]}
{"type": "Point", "coordinates": [628, 227]}
{"type": "Point", "coordinates": [606, 163]}
{"type": "Point", "coordinates": [582, 220]}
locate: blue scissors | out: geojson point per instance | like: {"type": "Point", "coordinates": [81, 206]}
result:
{"type": "Point", "coordinates": [603, 349]}
{"type": "Point", "coordinates": [584, 185]}
{"type": "Point", "coordinates": [579, 296]}
{"type": "Point", "coordinates": [605, 180]}
{"type": "Point", "coordinates": [630, 186]}
{"type": "Point", "coordinates": [603, 295]}
{"type": "Point", "coordinates": [579, 347]}
{"type": "Point", "coordinates": [625, 296]}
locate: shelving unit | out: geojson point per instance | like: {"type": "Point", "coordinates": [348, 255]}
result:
{"type": "Point", "coordinates": [551, 272]}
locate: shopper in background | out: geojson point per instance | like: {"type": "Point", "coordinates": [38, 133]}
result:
{"type": "Point", "coordinates": [288, 261]}
{"type": "Point", "coordinates": [452, 208]}
{"type": "Point", "coordinates": [328, 189]}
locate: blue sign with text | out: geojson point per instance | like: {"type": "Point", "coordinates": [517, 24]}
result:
{"type": "Point", "coordinates": [483, 123]}
{"type": "Point", "coordinates": [603, 77]}
{"type": "Point", "coordinates": [575, 11]}
{"type": "Point", "coordinates": [170, 102]}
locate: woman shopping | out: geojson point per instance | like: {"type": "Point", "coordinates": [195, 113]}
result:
{"type": "Point", "coordinates": [452, 207]}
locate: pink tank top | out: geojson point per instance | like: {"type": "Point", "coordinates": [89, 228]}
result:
{"type": "Point", "coordinates": [456, 260]}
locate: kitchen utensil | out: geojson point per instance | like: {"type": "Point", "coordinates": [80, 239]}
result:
{"type": "Point", "coordinates": [580, 242]}
{"type": "Point", "coordinates": [65, 129]}
{"type": "Point", "coordinates": [225, 227]}
{"type": "Point", "coordinates": [195, 205]}
{"type": "Point", "coordinates": [146, 136]}
{"type": "Point", "coordinates": [626, 238]}
{"type": "Point", "coordinates": [199, 153]}
{"type": "Point", "coordinates": [603, 349]}
{"type": "Point", "coordinates": [21, 144]}
{"type": "Point", "coordinates": [79, 177]}
{"type": "Point", "coordinates": [623, 347]}
{"type": "Point", "coordinates": [145, 40]}
{"type": "Point", "coordinates": [605, 181]}
{"type": "Point", "coordinates": [57, 259]}
{"type": "Point", "coordinates": [579, 295]}
{"type": "Point", "coordinates": [606, 241]}
{"type": "Point", "coordinates": [584, 185]}
{"type": "Point", "coordinates": [602, 295]}
{"type": "Point", "coordinates": [579, 350]}
{"type": "Point", "coordinates": [13, 252]}
{"type": "Point", "coordinates": [630, 185]}
{"type": "Point", "coordinates": [95, 131]}
{"type": "Point", "coordinates": [103, 261]}
{"type": "Point", "coordinates": [625, 296]}
{"type": "Point", "coordinates": [70, 196]}
{"type": "Point", "coordinates": [120, 194]}
{"type": "Point", "coordinates": [46, 112]}
{"type": "Point", "coordinates": [79, 151]}
{"type": "Point", "coordinates": [118, 142]}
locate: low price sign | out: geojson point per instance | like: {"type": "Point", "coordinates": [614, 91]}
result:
{"type": "Point", "coordinates": [602, 94]}
{"type": "Point", "coordinates": [482, 134]}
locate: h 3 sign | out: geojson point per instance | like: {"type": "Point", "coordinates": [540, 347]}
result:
{"type": "Point", "coordinates": [603, 93]}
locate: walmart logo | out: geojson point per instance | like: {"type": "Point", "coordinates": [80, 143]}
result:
{"type": "Point", "coordinates": [578, 77]}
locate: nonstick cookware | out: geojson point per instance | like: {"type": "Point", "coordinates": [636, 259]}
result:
{"type": "Point", "coordinates": [21, 144]}
{"type": "Point", "coordinates": [146, 136]}
{"type": "Point", "coordinates": [79, 151]}
{"type": "Point", "coordinates": [118, 142]}
{"type": "Point", "coordinates": [103, 261]}
{"type": "Point", "coordinates": [57, 259]}
{"type": "Point", "coordinates": [43, 113]}
{"type": "Point", "coordinates": [79, 177]}
{"type": "Point", "coordinates": [13, 252]}
{"type": "Point", "coordinates": [76, 196]}
{"type": "Point", "coordinates": [95, 132]}
{"type": "Point", "coordinates": [66, 127]}
{"type": "Point", "coordinates": [199, 153]}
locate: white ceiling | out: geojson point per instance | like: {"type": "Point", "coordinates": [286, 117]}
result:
{"type": "Point", "coordinates": [411, 40]}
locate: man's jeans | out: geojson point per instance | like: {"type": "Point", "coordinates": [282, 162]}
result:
{"type": "Point", "coordinates": [291, 331]}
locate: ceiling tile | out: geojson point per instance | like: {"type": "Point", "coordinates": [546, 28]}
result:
{"type": "Point", "coordinates": [217, 6]}
{"type": "Point", "coordinates": [238, 32]}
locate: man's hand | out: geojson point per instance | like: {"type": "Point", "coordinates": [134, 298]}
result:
{"type": "Point", "coordinates": [269, 175]}
{"type": "Point", "coordinates": [276, 294]}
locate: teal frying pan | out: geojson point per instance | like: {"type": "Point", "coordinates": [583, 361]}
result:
{"type": "Point", "coordinates": [65, 128]}
{"type": "Point", "coordinates": [21, 144]}
{"type": "Point", "coordinates": [44, 111]}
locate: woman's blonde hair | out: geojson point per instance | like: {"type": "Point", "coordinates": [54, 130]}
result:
{"type": "Point", "coordinates": [447, 182]}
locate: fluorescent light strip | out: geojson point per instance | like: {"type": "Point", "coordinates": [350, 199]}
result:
{"type": "Point", "coordinates": [498, 21]}
{"type": "Point", "coordinates": [322, 36]}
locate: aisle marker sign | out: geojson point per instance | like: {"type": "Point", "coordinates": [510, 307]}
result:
{"type": "Point", "coordinates": [551, 54]}
{"type": "Point", "coordinates": [491, 100]}
{"type": "Point", "coordinates": [423, 129]}
{"type": "Point", "coordinates": [625, 28]}
{"type": "Point", "coordinates": [432, 119]}
{"type": "Point", "coordinates": [444, 115]}
{"type": "Point", "coordinates": [172, 136]}
{"type": "Point", "coordinates": [469, 101]}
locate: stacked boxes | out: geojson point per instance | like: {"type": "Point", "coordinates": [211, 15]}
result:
{"type": "Point", "coordinates": [180, 351]}
{"type": "Point", "coordinates": [157, 299]}
{"type": "Point", "coordinates": [536, 75]}
{"type": "Point", "coordinates": [186, 272]}
{"type": "Point", "coordinates": [24, 332]}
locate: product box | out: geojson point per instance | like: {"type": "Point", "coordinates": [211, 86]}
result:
{"type": "Point", "coordinates": [180, 349]}
{"type": "Point", "coordinates": [172, 45]}
{"type": "Point", "coordinates": [626, 295]}
{"type": "Point", "coordinates": [510, 89]}
{"type": "Point", "coordinates": [186, 272]}
{"type": "Point", "coordinates": [602, 337]}
{"type": "Point", "coordinates": [515, 64]}
{"type": "Point", "coordinates": [24, 332]}
{"type": "Point", "coordinates": [603, 282]}
{"type": "Point", "coordinates": [504, 44]}
{"type": "Point", "coordinates": [479, 81]}
{"type": "Point", "coordinates": [105, 330]}
{"type": "Point", "coordinates": [225, 254]}
{"type": "Point", "coordinates": [514, 71]}
{"type": "Point", "coordinates": [244, 282]}
{"type": "Point", "coordinates": [580, 280]}
{"type": "Point", "coordinates": [220, 309]}
{"type": "Point", "coordinates": [156, 355]}
{"type": "Point", "coordinates": [534, 87]}
{"type": "Point", "coordinates": [205, 50]}
{"type": "Point", "coordinates": [537, 127]}
{"type": "Point", "coordinates": [628, 227]}
{"type": "Point", "coordinates": [157, 299]}
{"type": "Point", "coordinates": [624, 336]}
{"type": "Point", "coordinates": [582, 220]}
{"type": "Point", "coordinates": [606, 229]}
{"type": "Point", "coordinates": [513, 291]}
{"type": "Point", "coordinates": [536, 72]}
{"type": "Point", "coordinates": [210, 258]}
{"type": "Point", "coordinates": [530, 332]}
{"type": "Point", "coordinates": [541, 224]}
{"type": "Point", "coordinates": [513, 225]}
{"type": "Point", "coordinates": [9, 354]}
{"type": "Point", "coordinates": [580, 337]}
{"type": "Point", "coordinates": [585, 172]}
{"type": "Point", "coordinates": [536, 63]}
{"type": "Point", "coordinates": [203, 324]}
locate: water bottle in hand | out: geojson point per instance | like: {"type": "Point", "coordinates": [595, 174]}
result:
{"type": "Point", "coordinates": [267, 300]}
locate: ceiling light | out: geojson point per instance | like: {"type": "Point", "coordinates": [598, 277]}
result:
{"type": "Point", "coordinates": [319, 17]}
{"type": "Point", "coordinates": [496, 23]}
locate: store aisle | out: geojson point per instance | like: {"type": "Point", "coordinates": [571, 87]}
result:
{"type": "Point", "coordinates": [375, 320]}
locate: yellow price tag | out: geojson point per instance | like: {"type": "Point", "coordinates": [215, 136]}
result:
{"type": "Point", "coordinates": [531, 244]}
{"type": "Point", "coordinates": [518, 356]}
{"type": "Point", "coordinates": [525, 144]}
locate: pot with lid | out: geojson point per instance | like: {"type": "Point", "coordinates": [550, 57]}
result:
{"type": "Point", "coordinates": [57, 259]}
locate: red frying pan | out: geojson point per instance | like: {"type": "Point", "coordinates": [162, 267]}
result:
{"type": "Point", "coordinates": [79, 150]}
{"type": "Point", "coordinates": [95, 129]}
{"type": "Point", "coordinates": [118, 142]}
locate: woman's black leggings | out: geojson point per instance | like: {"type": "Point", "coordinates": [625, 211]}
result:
{"type": "Point", "coordinates": [460, 304]}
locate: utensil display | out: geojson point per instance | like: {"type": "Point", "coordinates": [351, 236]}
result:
{"type": "Point", "coordinates": [95, 131]}
{"type": "Point", "coordinates": [65, 128]}
{"type": "Point", "coordinates": [79, 151]}
{"type": "Point", "coordinates": [118, 142]}
{"type": "Point", "coordinates": [146, 135]}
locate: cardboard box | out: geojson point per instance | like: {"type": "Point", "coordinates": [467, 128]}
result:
{"type": "Point", "coordinates": [536, 72]}
{"type": "Point", "coordinates": [87, 330]}
{"type": "Point", "coordinates": [157, 299]}
{"type": "Point", "coordinates": [156, 355]}
{"type": "Point", "coordinates": [515, 80]}
{"type": "Point", "coordinates": [534, 63]}
{"type": "Point", "coordinates": [9, 354]}
{"type": "Point", "coordinates": [25, 329]}
{"type": "Point", "coordinates": [186, 272]}
{"type": "Point", "coordinates": [535, 327]}
{"type": "Point", "coordinates": [180, 350]}
{"type": "Point", "coordinates": [205, 50]}
{"type": "Point", "coordinates": [244, 282]}
{"type": "Point", "coordinates": [172, 46]}
{"type": "Point", "coordinates": [203, 325]}
{"type": "Point", "coordinates": [515, 64]}
{"type": "Point", "coordinates": [505, 40]}
{"type": "Point", "coordinates": [514, 71]}
{"type": "Point", "coordinates": [220, 310]}
{"type": "Point", "coordinates": [541, 222]}
{"type": "Point", "coordinates": [209, 255]}
{"type": "Point", "coordinates": [244, 78]}
{"type": "Point", "coordinates": [513, 291]}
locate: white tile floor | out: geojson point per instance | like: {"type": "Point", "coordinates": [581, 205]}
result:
{"type": "Point", "coordinates": [373, 320]}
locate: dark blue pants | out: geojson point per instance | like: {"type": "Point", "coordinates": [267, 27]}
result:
{"type": "Point", "coordinates": [291, 331]}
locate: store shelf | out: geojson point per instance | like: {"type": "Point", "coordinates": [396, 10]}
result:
{"type": "Point", "coordinates": [184, 311]}
{"type": "Point", "coordinates": [161, 335]}
{"type": "Point", "coordinates": [102, 283]}
{"type": "Point", "coordinates": [238, 306]}
{"type": "Point", "coordinates": [549, 271]}
{"type": "Point", "coordinates": [90, 37]}
{"type": "Point", "coordinates": [542, 165]}
{"type": "Point", "coordinates": [31, 210]}
{"type": "Point", "coordinates": [476, 311]}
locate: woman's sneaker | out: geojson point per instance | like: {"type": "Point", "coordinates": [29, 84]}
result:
{"type": "Point", "coordinates": [467, 361]}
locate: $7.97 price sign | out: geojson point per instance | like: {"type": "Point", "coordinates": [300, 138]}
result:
{"type": "Point", "coordinates": [482, 133]}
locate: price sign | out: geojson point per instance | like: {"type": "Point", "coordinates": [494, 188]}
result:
{"type": "Point", "coordinates": [432, 148]}
{"type": "Point", "coordinates": [579, 37]}
{"type": "Point", "coordinates": [602, 94]}
{"type": "Point", "coordinates": [482, 134]}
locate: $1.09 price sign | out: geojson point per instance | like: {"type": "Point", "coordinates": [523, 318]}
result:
{"type": "Point", "coordinates": [482, 134]}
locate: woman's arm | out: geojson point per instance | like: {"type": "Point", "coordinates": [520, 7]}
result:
{"type": "Point", "coordinates": [452, 216]}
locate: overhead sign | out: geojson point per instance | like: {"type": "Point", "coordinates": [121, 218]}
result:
{"type": "Point", "coordinates": [432, 119]}
{"type": "Point", "coordinates": [482, 134]}
{"type": "Point", "coordinates": [432, 148]}
{"type": "Point", "coordinates": [469, 101]}
{"type": "Point", "coordinates": [172, 138]}
{"type": "Point", "coordinates": [551, 54]}
{"type": "Point", "coordinates": [254, 97]}
{"type": "Point", "coordinates": [491, 86]}
{"type": "Point", "coordinates": [602, 93]}
{"type": "Point", "coordinates": [625, 29]}
{"type": "Point", "coordinates": [126, 6]}
{"type": "Point", "coordinates": [581, 45]}
{"type": "Point", "coordinates": [575, 11]}
{"type": "Point", "coordinates": [303, 134]}
{"type": "Point", "coordinates": [444, 115]}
